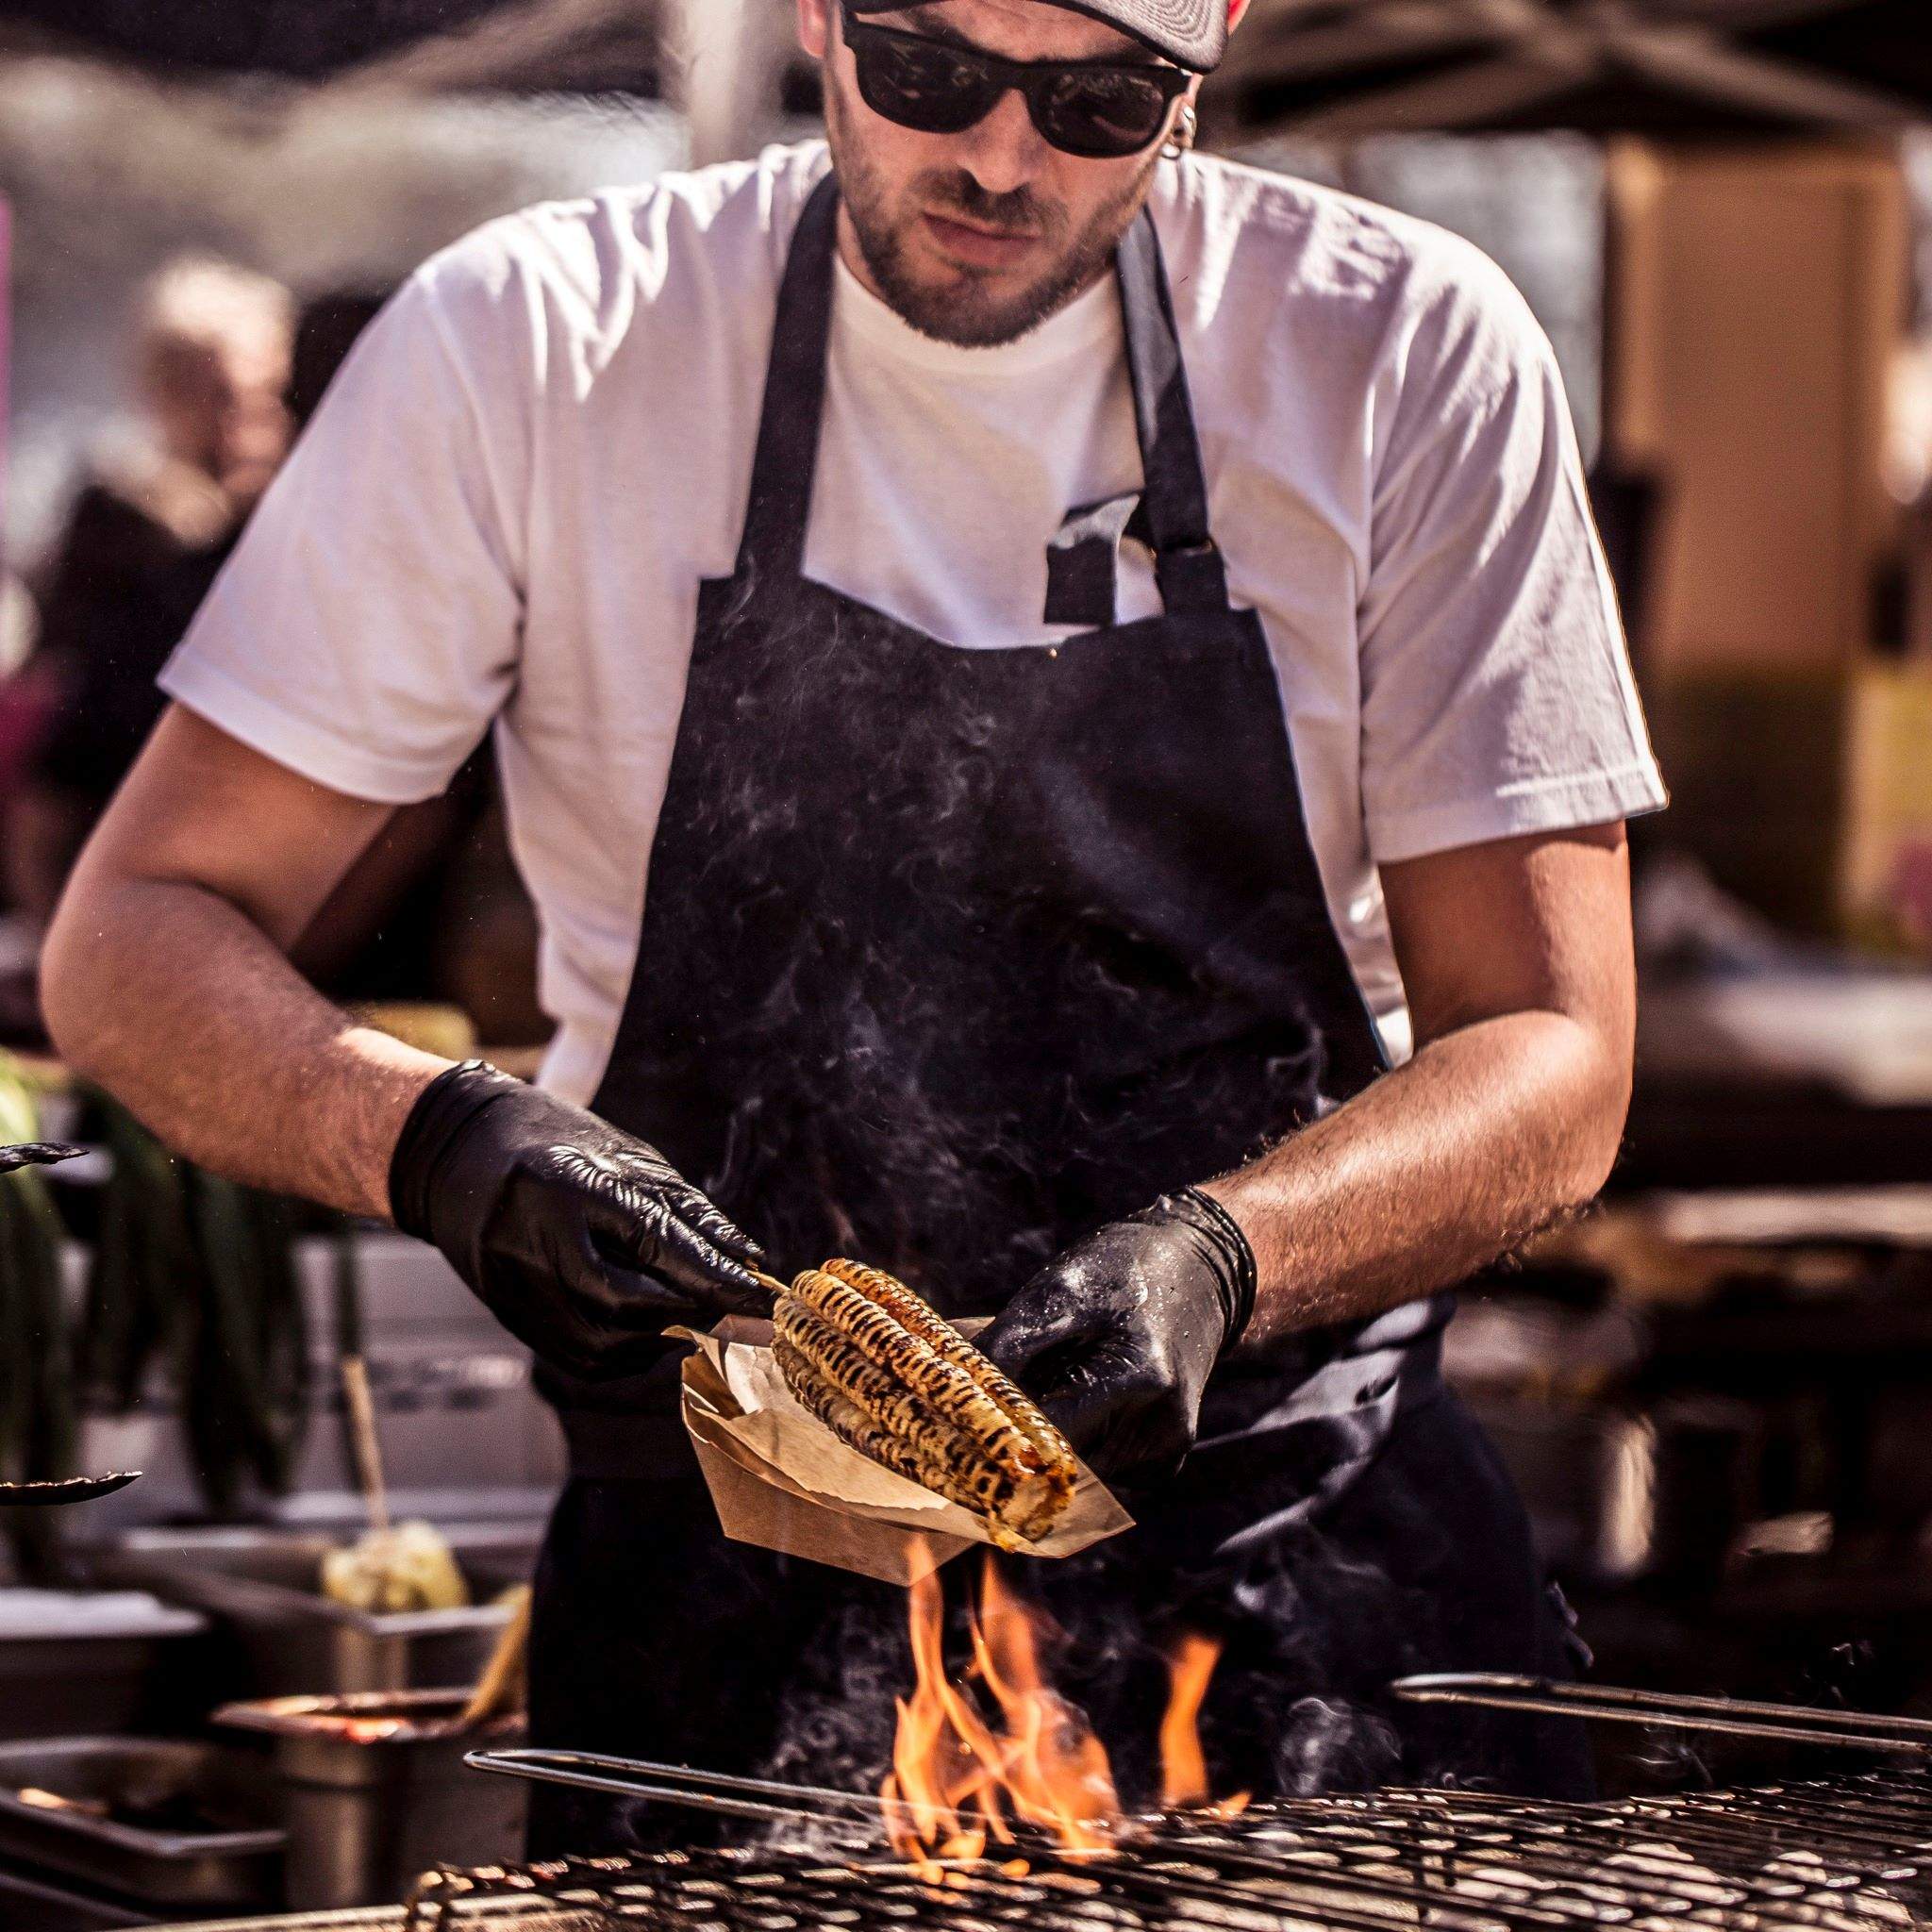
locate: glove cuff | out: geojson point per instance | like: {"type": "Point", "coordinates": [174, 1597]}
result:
{"type": "Point", "coordinates": [437, 1123]}
{"type": "Point", "coordinates": [1236, 1273]}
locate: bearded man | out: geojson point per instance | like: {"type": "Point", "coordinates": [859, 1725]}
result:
{"type": "Point", "coordinates": [1063, 714]}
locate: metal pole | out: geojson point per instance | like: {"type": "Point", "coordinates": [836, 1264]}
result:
{"type": "Point", "coordinates": [726, 57]}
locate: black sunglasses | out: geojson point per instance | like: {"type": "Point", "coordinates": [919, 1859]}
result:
{"type": "Point", "coordinates": [1098, 109]}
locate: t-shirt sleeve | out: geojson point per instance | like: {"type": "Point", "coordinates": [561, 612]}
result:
{"type": "Point", "coordinates": [366, 630]}
{"type": "Point", "coordinates": [1497, 690]}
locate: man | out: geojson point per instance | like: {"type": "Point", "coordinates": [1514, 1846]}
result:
{"type": "Point", "coordinates": [144, 543]}
{"type": "Point", "coordinates": [1036, 660]}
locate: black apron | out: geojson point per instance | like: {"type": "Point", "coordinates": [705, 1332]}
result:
{"type": "Point", "coordinates": [948, 957]}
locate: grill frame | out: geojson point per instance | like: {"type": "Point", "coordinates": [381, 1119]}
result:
{"type": "Point", "coordinates": [1846, 1854]}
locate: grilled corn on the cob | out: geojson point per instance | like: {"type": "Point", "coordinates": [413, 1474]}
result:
{"type": "Point", "coordinates": [885, 1373]}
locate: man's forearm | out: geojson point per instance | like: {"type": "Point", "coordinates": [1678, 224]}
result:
{"type": "Point", "coordinates": [1488, 1134]}
{"type": "Point", "coordinates": [173, 999]}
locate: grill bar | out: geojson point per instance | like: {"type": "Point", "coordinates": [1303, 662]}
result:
{"type": "Point", "coordinates": [1738, 1823]}
{"type": "Point", "coordinates": [1739, 1836]}
{"type": "Point", "coordinates": [1572, 1862]}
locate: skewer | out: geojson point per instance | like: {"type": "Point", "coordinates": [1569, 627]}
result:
{"type": "Point", "coordinates": [502, 1680]}
{"type": "Point", "coordinates": [367, 1445]}
{"type": "Point", "coordinates": [1740, 1716]}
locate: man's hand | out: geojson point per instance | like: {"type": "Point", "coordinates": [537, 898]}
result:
{"type": "Point", "coordinates": [1116, 1338]}
{"type": "Point", "coordinates": [583, 1242]}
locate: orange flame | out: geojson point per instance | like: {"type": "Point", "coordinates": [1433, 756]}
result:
{"type": "Point", "coordinates": [1183, 1769]}
{"type": "Point", "coordinates": [972, 1759]}
{"type": "Point", "coordinates": [1183, 1766]}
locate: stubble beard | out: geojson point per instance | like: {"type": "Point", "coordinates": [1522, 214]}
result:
{"type": "Point", "coordinates": [967, 309]}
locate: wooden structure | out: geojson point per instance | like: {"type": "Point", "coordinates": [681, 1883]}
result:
{"type": "Point", "coordinates": [1332, 68]}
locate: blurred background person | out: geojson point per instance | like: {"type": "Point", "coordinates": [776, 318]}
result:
{"type": "Point", "coordinates": [229, 371]}
{"type": "Point", "coordinates": [144, 542]}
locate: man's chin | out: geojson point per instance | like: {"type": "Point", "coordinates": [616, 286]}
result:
{"type": "Point", "coordinates": [970, 308]}
{"type": "Point", "coordinates": [969, 304]}
{"type": "Point", "coordinates": [964, 314]}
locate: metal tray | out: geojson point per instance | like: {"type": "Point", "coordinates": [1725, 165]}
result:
{"type": "Point", "coordinates": [236, 1866]}
{"type": "Point", "coordinates": [264, 1583]}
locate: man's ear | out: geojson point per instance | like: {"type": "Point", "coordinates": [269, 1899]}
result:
{"type": "Point", "coordinates": [815, 25]}
{"type": "Point", "coordinates": [1236, 10]}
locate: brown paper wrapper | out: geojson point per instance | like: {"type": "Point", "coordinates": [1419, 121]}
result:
{"type": "Point", "coordinates": [779, 1478]}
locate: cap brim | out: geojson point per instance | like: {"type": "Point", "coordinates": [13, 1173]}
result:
{"type": "Point", "coordinates": [1191, 33]}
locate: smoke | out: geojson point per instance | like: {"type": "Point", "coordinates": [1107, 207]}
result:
{"type": "Point", "coordinates": [1329, 1745]}
{"type": "Point", "coordinates": [1311, 1637]}
{"type": "Point", "coordinates": [837, 1727]}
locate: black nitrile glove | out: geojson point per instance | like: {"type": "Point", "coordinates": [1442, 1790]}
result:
{"type": "Point", "coordinates": [582, 1242]}
{"type": "Point", "coordinates": [1116, 1338]}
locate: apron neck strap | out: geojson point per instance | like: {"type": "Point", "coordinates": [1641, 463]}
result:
{"type": "Point", "coordinates": [1188, 566]}
{"type": "Point", "coordinates": [773, 546]}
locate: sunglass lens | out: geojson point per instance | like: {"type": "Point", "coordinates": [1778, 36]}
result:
{"type": "Point", "coordinates": [922, 84]}
{"type": "Point", "coordinates": [1113, 112]}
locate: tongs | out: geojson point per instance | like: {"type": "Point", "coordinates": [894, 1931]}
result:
{"type": "Point", "coordinates": [763, 1799]}
{"type": "Point", "coordinates": [1796, 1724]}
{"type": "Point", "coordinates": [73, 1489]}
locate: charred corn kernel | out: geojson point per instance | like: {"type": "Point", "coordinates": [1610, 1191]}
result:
{"type": "Point", "coordinates": [923, 1320]}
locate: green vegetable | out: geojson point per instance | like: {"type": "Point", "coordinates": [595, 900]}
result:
{"type": "Point", "coordinates": [39, 1416]}
{"type": "Point", "coordinates": [195, 1274]}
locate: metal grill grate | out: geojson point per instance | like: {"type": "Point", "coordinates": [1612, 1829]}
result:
{"type": "Point", "coordinates": [1841, 1855]}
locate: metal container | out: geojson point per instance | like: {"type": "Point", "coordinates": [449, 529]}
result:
{"type": "Point", "coordinates": [51, 1908]}
{"type": "Point", "coordinates": [54, 1794]}
{"type": "Point", "coordinates": [375, 1792]}
{"type": "Point", "coordinates": [1614, 1494]}
{"type": "Point", "coordinates": [265, 1585]}
{"type": "Point", "coordinates": [73, 1661]}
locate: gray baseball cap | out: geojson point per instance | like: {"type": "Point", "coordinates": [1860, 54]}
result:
{"type": "Point", "coordinates": [1191, 33]}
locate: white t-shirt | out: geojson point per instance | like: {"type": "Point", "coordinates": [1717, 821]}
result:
{"type": "Point", "coordinates": [502, 511]}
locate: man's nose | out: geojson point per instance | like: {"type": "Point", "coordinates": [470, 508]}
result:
{"type": "Point", "coordinates": [1005, 151]}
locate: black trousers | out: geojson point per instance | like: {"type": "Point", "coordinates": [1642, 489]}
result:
{"type": "Point", "coordinates": [656, 1637]}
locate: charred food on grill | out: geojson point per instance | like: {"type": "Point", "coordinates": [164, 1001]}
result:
{"type": "Point", "coordinates": [885, 1373]}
